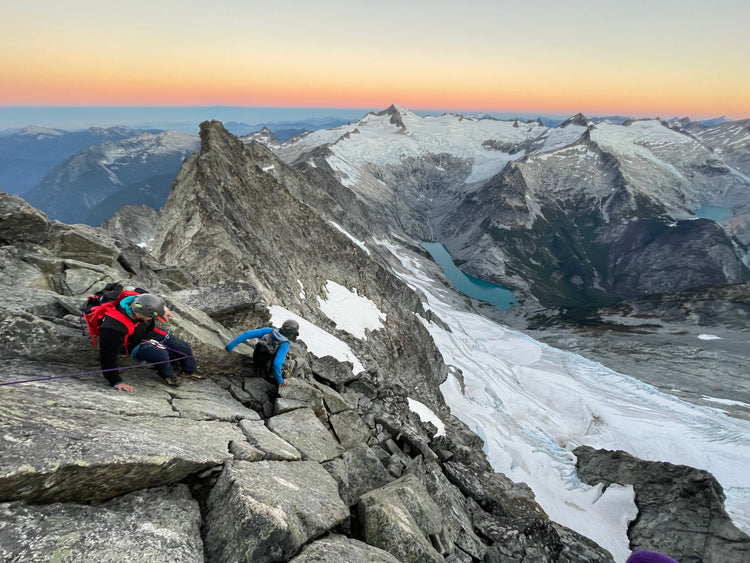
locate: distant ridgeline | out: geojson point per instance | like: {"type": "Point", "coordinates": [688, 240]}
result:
{"type": "Point", "coordinates": [588, 212]}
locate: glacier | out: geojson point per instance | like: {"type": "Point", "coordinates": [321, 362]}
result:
{"type": "Point", "coordinates": [532, 404]}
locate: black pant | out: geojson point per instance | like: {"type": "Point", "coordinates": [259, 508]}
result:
{"type": "Point", "coordinates": [168, 349]}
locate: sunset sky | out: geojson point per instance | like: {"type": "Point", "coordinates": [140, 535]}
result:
{"type": "Point", "coordinates": [643, 58]}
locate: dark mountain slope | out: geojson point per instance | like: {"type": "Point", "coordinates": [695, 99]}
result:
{"type": "Point", "coordinates": [233, 220]}
{"type": "Point", "coordinates": [79, 183]}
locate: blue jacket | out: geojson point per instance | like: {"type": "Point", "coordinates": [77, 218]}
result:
{"type": "Point", "coordinates": [278, 359]}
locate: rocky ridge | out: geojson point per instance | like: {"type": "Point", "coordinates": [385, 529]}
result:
{"type": "Point", "coordinates": [173, 474]}
{"type": "Point", "coordinates": [180, 470]}
{"type": "Point", "coordinates": [710, 538]}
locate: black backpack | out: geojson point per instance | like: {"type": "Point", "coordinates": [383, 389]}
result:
{"type": "Point", "coordinates": [109, 292]}
{"type": "Point", "coordinates": [264, 353]}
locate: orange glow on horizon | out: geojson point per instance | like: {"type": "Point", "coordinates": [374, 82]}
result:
{"type": "Point", "coordinates": [101, 91]}
{"type": "Point", "coordinates": [89, 86]}
{"type": "Point", "coordinates": [482, 56]}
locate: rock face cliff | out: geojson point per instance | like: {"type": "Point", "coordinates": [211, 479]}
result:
{"type": "Point", "coordinates": [230, 219]}
{"type": "Point", "coordinates": [334, 467]}
{"type": "Point", "coordinates": [703, 532]}
{"type": "Point", "coordinates": [587, 229]}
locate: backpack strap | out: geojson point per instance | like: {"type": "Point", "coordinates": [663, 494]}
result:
{"type": "Point", "coordinates": [125, 320]}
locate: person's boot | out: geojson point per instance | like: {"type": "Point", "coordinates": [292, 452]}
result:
{"type": "Point", "coordinates": [171, 380]}
{"type": "Point", "coordinates": [196, 375]}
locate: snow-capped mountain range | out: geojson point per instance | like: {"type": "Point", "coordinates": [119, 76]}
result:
{"type": "Point", "coordinates": [597, 207]}
{"type": "Point", "coordinates": [654, 154]}
{"type": "Point", "coordinates": [29, 153]}
{"type": "Point", "coordinates": [570, 215]}
{"type": "Point", "coordinates": [387, 138]}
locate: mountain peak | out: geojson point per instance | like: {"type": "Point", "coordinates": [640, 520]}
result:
{"type": "Point", "coordinates": [395, 109]}
{"type": "Point", "coordinates": [213, 134]}
{"type": "Point", "coordinates": [39, 132]}
{"type": "Point", "coordinates": [397, 115]}
{"type": "Point", "coordinates": [577, 119]}
{"type": "Point", "coordinates": [266, 136]}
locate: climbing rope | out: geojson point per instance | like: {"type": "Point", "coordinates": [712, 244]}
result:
{"type": "Point", "coordinates": [140, 365]}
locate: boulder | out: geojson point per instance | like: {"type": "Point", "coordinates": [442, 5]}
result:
{"type": "Point", "coordinates": [21, 222]}
{"type": "Point", "coordinates": [340, 549]}
{"type": "Point", "coordinates": [334, 402]}
{"type": "Point", "coordinates": [204, 400]}
{"type": "Point", "coordinates": [302, 429]}
{"type": "Point", "coordinates": [88, 245]}
{"type": "Point", "coordinates": [333, 371]}
{"type": "Point", "coordinates": [402, 518]}
{"type": "Point", "coordinates": [266, 511]}
{"type": "Point", "coordinates": [300, 392]}
{"type": "Point", "coordinates": [235, 304]}
{"type": "Point", "coordinates": [349, 428]}
{"type": "Point", "coordinates": [259, 394]}
{"type": "Point", "coordinates": [80, 440]}
{"type": "Point", "coordinates": [358, 471]}
{"type": "Point", "coordinates": [159, 525]}
{"type": "Point", "coordinates": [272, 446]}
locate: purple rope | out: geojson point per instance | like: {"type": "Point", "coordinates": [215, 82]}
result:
{"type": "Point", "coordinates": [86, 373]}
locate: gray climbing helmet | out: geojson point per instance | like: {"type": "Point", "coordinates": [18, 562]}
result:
{"type": "Point", "coordinates": [290, 329]}
{"type": "Point", "coordinates": [148, 304]}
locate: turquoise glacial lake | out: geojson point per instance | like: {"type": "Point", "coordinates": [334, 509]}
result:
{"type": "Point", "coordinates": [470, 286]}
{"type": "Point", "coordinates": [714, 213]}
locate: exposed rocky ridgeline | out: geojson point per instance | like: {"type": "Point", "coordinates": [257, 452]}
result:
{"type": "Point", "coordinates": [334, 467]}
{"type": "Point", "coordinates": [231, 220]}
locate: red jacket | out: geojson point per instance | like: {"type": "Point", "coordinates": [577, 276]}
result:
{"type": "Point", "coordinates": [119, 334]}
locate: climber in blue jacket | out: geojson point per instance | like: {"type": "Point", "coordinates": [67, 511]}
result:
{"type": "Point", "coordinates": [270, 355]}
